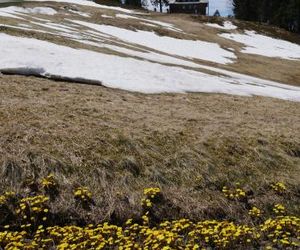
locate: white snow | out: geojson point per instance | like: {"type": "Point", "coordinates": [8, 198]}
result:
{"type": "Point", "coordinates": [125, 16]}
{"type": "Point", "coordinates": [39, 19]}
{"type": "Point", "coordinates": [147, 62]}
{"type": "Point", "coordinates": [98, 34]}
{"type": "Point", "coordinates": [265, 46]}
{"type": "Point", "coordinates": [149, 24]}
{"type": "Point", "coordinates": [151, 56]}
{"type": "Point", "coordinates": [4, 14]}
{"type": "Point", "coordinates": [227, 25]}
{"type": "Point", "coordinates": [80, 13]}
{"type": "Point", "coordinates": [24, 25]}
{"type": "Point", "coordinates": [63, 34]}
{"type": "Point", "coordinates": [18, 27]}
{"type": "Point", "coordinates": [36, 10]}
{"type": "Point", "coordinates": [27, 55]}
{"type": "Point", "coordinates": [186, 48]}
{"type": "Point", "coordinates": [54, 26]}
{"type": "Point", "coordinates": [9, 12]}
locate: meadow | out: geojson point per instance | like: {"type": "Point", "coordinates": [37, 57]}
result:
{"type": "Point", "coordinates": [85, 167]}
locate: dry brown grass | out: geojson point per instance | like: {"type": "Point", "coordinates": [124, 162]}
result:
{"type": "Point", "coordinates": [117, 143]}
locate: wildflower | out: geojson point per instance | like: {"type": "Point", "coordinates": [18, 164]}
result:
{"type": "Point", "coordinates": [279, 209]}
{"type": "Point", "coordinates": [279, 187]}
{"type": "Point", "coordinates": [83, 193]}
{"type": "Point", "coordinates": [234, 193]}
{"type": "Point", "coordinates": [255, 212]}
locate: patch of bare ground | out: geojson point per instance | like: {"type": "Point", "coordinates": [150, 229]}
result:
{"type": "Point", "coordinates": [117, 143]}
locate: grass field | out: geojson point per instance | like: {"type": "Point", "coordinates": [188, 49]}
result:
{"type": "Point", "coordinates": [117, 143]}
{"type": "Point", "coordinates": [212, 157]}
{"type": "Point", "coordinates": [88, 167]}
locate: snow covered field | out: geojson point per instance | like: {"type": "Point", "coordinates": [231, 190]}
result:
{"type": "Point", "coordinates": [135, 59]}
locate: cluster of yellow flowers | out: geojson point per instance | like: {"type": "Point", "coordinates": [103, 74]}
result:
{"type": "Point", "coordinates": [14, 240]}
{"type": "Point", "coordinates": [2, 199]}
{"type": "Point", "coordinates": [179, 234]}
{"type": "Point", "coordinates": [279, 187]}
{"type": "Point", "coordinates": [49, 183]}
{"type": "Point", "coordinates": [33, 208]}
{"type": "Point", "coordinates": [279, 209]}
{"type": "Point", "coordinates": [282, 232]}
{"type": "Point", "coordinates": [255, 212]}
{"type": "Point", "coordinates": [278, 232]}
{"type": "Point", "coordinates": [83, 194]}
{"type": "Point", "coordinates": [5, 197]}
{"type": "Point", "coordinates": [150, 194]}
{"type": "Point", "coordinates": [234, 193]}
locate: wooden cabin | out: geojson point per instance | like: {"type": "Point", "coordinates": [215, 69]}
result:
{"type": "Point", "coordinates": [189, 6]}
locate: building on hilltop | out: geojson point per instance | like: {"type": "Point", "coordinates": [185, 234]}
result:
{"type": "Point", "coordinates": [189, 6]}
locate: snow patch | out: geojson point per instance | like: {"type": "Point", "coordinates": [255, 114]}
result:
{"type": "Point", "coordinates": [151, 56]}
{"type": "Point", "coordinates": [80, 13]}
{"type": "Point", "coordinates": [32, 56]}
{"type": "Point", "coordinates": [24, 25]}
{"type": "Point", "coordinates": [36, 10]}
{"type": "Point", "coordinates": [186, 48]}
{"type": "Point", "coordinates": [6, 12]}
{"type": "Point", "coordinates": [227, 25]}
{"type": "Point", "coordinates": [149, 24]}
{"type": "Point", "coordinates": [265, 46]}
{"type": "Point", "coordinates": [57, 27]}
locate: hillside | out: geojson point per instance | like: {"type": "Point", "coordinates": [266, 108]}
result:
{"type": "Point", "coordinates": [173, 53]}
{"type": "Point", "coordinates": [119, 101]}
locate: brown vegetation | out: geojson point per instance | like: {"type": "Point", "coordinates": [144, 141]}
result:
{"type": "Point", "coordinates": [117, 143]}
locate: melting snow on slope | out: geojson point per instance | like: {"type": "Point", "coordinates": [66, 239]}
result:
{"type": "Point", "coordinates": [126, 73]}
{"type": "Point", "coordinates": [80, 13]}
{"type": "Point", "coordinates": [227, 25]}
{"type": "Point", "coordinates": [151, 56]}
{"type": "Point", "coordinates": [106, 16]}
{"type": "Point", "coordinates": [186, 48]}
{"type": "Point", "coordinates": [12, 10]}
{"type": "Point", "coordinates": [265, 46]}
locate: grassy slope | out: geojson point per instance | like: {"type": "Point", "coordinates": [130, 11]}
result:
{"type": "Point", "coordinates": [117, 143]}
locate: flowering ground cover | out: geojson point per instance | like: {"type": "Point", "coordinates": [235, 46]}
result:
{"type": "Point", "coordinates": [31, 225]}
